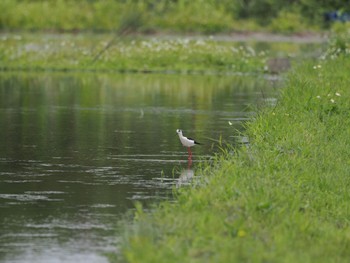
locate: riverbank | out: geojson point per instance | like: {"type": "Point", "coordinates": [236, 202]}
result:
{"type": "Point", "coordinates": [284, 198]}
{"type": "Point", "coordinates": [105, 52]}
{"type": "Point", "coordinates": [199, 54]}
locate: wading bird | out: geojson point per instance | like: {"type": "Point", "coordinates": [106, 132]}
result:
{"type": "Point", "coordinates": [187, 142]}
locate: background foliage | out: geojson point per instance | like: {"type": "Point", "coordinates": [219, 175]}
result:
{"type": "Point", "coordinates": [205, 16]}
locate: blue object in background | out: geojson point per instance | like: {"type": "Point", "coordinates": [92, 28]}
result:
{"type": "Point", "coordinates": [336, 16]}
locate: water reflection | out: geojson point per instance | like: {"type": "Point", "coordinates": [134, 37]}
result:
{"type": "Point", "coordinates": [78, 150]}
{"type": "Point", "coordinates": [186, 176]}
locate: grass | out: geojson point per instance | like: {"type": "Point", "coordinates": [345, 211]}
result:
{"type": "Point", "coordinates": [182, 16]}
{"type": "Point", "coordinates": [69, 52]}
{"type": "Point", "coordinates": [164, 54]}
{"type": "Point", "coordinates": [285, 198]}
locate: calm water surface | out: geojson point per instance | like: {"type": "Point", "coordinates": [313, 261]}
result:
{"type": "Point", "coordinates": [77, 150]}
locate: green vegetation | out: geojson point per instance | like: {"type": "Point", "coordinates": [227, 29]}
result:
{"type": "Point", "coordinates": [67, 52]}
{"type": "Point", "coordinates": [285, 198]}
{"type": "Point", "coordinates": [339, 42]}
{"type": "Point", "coordinates": [204, 16]}
{"type": "Point", "coordinates": [168, 54]}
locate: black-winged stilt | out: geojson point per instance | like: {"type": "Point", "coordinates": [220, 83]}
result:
{"type": "Point", "coordinates": [187, 142]}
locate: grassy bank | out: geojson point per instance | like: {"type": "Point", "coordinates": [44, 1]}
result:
{"type": "Point", "coordinates": [139, 53]}
{"type": "Point", "coordinates": [96, 52]}
{"type": "Point", "coordinates": [285, 198]}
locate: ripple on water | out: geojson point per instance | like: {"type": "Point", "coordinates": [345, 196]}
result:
{"type": "Point", "coordinates": [27, 197]}
{"type": "Point", "coordinates": [23, 197]}
{"type": "Point", "coordinates": [57, 255]}
{"type": "Point", "coordinates": [21, 181]}
{"type": "Point", "coordinates": [28, 235]}
{"type": "Point", "coordinates": [44, 192]}
{"type": "Point", "coordinates": [102, 206]}
{"type": "Point", "coordinates": [95, 183]}
{"type": "Point", "coordinates": [68, 225]}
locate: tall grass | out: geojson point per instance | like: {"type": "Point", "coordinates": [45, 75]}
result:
{"type": "Point", "coordinates": [110, 15]}
{"type": "Point", "coordinates": [284, 198]}
{"type": "Point", "coordinates": [170, 16]}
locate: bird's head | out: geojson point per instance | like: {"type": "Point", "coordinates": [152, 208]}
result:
{"type": "Point", "coordinates": [178, 131]}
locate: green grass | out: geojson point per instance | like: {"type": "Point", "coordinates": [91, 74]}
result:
{"type": "Point", "coordinates": [285, 198]}
{"type": "Point", "coordinates": [167, 16]}
{"type": "Point", "coordinates": [69, 52]}
{"type": "Point", "coordinates": [165, 54]}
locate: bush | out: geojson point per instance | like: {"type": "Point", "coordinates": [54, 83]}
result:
{"type": "Point", "coordinates": [288, 22]}
{"type": "Point", "coordinates": [208, 16]}
{"type": "Point", "coordinates": [339, 42]}
{"type": "Point", "coordinates": [195, 16]}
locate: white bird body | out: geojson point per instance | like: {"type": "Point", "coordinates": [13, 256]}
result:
{"type": "Point", "coordinates": [187, 142]}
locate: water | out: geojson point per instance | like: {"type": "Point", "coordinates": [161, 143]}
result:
{"type": "Point", "coordinates": [77, 151]}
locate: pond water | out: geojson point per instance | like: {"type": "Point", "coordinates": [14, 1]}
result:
{"type": "Point", "coordinates": [78, 150]}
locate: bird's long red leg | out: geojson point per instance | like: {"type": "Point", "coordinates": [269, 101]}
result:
{"type": "Point", "coordinates": [189, 152]}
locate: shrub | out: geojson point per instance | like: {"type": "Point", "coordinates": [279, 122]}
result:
{"type": "Point", "coordinates": [339, 42]}
{"type": "Point", "coordinates": [288, 22]}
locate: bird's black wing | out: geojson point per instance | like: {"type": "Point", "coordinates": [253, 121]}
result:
{"type": "Point", "coordinates": [194, 141]}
